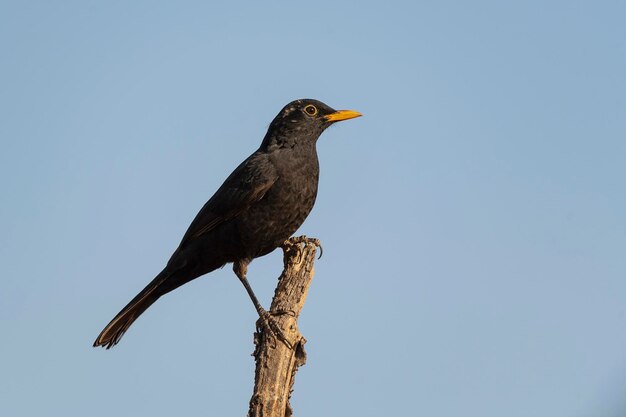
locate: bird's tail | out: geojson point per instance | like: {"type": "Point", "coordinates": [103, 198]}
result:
{"type": "Point", "coordinates": [114, 331]}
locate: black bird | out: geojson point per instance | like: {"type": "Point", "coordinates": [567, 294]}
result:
{"type": "Point", "coordinates": [260, 205]}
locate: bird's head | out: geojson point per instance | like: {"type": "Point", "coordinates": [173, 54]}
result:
{"type": "Point", "coordinates": [302, 122]}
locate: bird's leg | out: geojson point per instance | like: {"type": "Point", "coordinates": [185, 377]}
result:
{"type": "Point", "coordinates": [241, 268]}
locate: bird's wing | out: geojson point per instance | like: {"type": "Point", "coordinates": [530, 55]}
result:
{"type": "Point", "coordinates": [245, 186]}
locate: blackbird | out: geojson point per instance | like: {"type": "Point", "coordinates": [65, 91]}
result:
{"type": "Point", "coordinates": [260, 205]}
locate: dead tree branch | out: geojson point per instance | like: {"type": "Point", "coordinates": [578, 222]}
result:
{"type": "Point", "coordinates": [276, 363]}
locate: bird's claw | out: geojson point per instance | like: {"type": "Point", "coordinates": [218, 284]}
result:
{"type": "Point", "coordinates": [290, 313]}
{"type": "Point", "coordinates": [272, 327]}
{"type": "Point", "coordinates": [295, 241]}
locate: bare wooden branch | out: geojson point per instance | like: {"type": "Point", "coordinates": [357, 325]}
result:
{"type": "Point", "coordinates": [276, 363]}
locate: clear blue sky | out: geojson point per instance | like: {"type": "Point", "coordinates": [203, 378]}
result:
{"type": "Point", "coordinates": [473, 221]}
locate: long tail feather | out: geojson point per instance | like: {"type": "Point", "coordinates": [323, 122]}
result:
{"type": "Point", "coordinates": [114, 331]}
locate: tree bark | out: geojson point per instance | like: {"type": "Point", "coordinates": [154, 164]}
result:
{"type": "Point", "coordinates": [276, 363]}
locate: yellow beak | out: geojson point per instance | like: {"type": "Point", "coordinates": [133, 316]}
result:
{"type": "Point", "coordinates": [342, 115]}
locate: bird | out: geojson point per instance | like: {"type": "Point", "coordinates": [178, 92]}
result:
{"type": "Point", "coordinates": [257, 208]}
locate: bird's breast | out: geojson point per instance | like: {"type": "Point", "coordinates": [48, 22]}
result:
{"type": "Point", "coordinates": [283, 209]}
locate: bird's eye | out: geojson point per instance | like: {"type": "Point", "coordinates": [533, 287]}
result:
{"type": "Point", "coordinates": [311, 110]}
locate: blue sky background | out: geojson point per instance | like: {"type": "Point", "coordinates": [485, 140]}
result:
{"type": "Point", "coordinates": [473, 220]}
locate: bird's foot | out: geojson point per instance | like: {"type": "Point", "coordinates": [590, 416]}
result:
{"type": "Point", "coordinates": [296, 241]}
{"type": "Point", "coordinates": [289, 313]}
{"type": "Point", "coordinates": [273, 328]}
